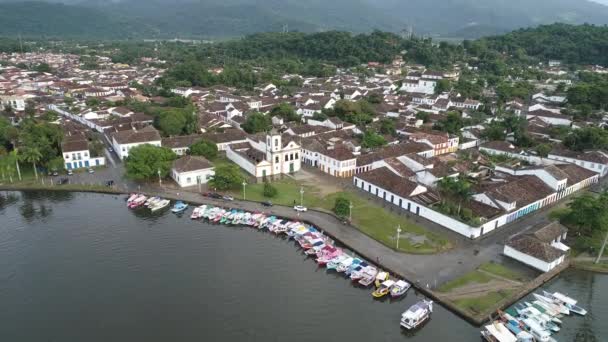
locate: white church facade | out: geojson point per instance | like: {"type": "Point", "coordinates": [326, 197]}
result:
{"type": "Point", "coordinates": [266, 156]}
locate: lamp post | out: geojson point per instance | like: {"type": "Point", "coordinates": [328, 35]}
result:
{"type": "Point", "coordinates": [160, 181]}
{"type": "Point", "coordinates": [302, 196]}
{"type": "Point", "coordinates": [244, 185]}
{"type": "Point", "coordinates": [350, 211]}
{"type": "Point", "coordinates": [398, 235]}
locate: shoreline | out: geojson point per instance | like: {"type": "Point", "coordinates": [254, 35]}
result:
{"type": "Point", "coordinates": [476, 320]}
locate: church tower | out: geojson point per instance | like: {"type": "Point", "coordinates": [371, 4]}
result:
{"type": "Point", "coordinates": [274, 145]}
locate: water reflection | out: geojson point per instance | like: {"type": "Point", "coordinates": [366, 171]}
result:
{"type": "Point", "coordinates": [7, 199]}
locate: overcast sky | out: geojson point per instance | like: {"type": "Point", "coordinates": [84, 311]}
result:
{"type": "Point", "coordinates": [605, 2]}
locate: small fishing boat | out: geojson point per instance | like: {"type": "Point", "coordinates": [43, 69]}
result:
{"type": "Point", "coordinates": [323, 260]}
{"type": "Point", "coordinates": [540, 334]}
{"type": "Point", "coordinates": [197, 213]}
{"type": "Point", "coordinates": [516, 327]}
{"type": "Point", "coordinates": [368, 276]}
{"type": "Point", "coordinates": [356, 263]}
{"type": "Point", "coordinates": [179, 207]}
{"type": "Point", "coordinates": [162, 204]}
{"type": "Point", "coordinates": [383, 289]}
{"type": "Point", "coordinates": [131, 198]}
{"type": "Point", "coordinates": [552, 304]}
{"type": "Point", "coordinates": [357, 273]}
{"type": "Point", "coordinates": [381, 277]}
{"type": "Point", "coordinates": [345, 264]}
{"type": "Point", "coordinates": [417, 314]}
{"type": "Point", "coordinates": [400, 288]}
{"type": "Point", "coordinates": [151, 201]}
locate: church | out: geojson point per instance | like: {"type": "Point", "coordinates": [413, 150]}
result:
{"type": "Point", "coordinates": [266, 155]}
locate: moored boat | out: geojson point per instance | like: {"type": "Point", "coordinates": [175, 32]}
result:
{"type": "Point", "coordinates": [497, 332]}
{"type": "Point", "coordinates": [567, 302]}
{"type": "Point", "coordinates": [368, 276]}
{"type": "Point", "coordinates": [399, 288]}
{"type": "Point", "coordinates": [179, 207]}
{"type": "Point", "coordinates": [163, 203]}
{"type": "Point", "coordinates": [381, 277]}
{"type": "Point", "coordinates": [383, 289]}
{"type": "Point", "coordinates": [417, 314]}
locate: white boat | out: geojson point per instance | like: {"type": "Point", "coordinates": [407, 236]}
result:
{"type": "Point", "coordinates": [400, 288]}
{"type": "Point", "coordinates": [552, 304]}
{"type": "Point", "coordinates": [163, 203]}
{"type": "Point", "coordinates": [497, 332]}
{"type": "Point", "coordinates": [333, 263]}
{"type": "Point", "coordinates": [567, 302]}
{"type": "Point", "coordinates": [345, 264]}
{"type": "Point", "coordinates": [368, 275]}
{"type": "Point", "coordinates": [198, 212]}
{"type": "Point", "coordinates": [417, 314]}
{"type": "Point", "coordinates": [152, 201]}
{"type": "Point", "coordinates": [540, 334]}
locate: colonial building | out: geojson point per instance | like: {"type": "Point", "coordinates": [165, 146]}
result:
{"type": "Point", "coordinates": [191, 171]}
{"type": "Point", "coordinates": [541, 249]}
{"type": "Point", "coordinates": [266, 156]}
{"type": "Point", "coordinates": [76, 154]}
{"type": "Point", "coordinates": [124, 141]}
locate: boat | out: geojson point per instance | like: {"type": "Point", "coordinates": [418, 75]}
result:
{"type": "Point", "coordinates": [542, 319]}
{"type": "Point", "coordinates": [399, 288]}
{"type": "Point", "coordinates": [197, 213]}
{"type": "Point", "coordinates": [383, 289]}
{"type": "Point", "coordinates": [162, 204]}
{"type": "Point", "coordinates": [333, 263]}
{"type": "Point", "coordinates": [357, 273]}
{"type": "Point", "coordinates": [516, 327]}
{"type": "Point", "coordinates": [381, 277]}
{"type": "Point", "coordinates": [552, 304]}
{"type": "Point", "coordinates": [179, 207]}
{"type": "Point", "coordinates": [567, 302]}
{"type": "Point", "coordinates": [131, 198]}
{"type": "Point", "coordinates": [316, 247]}
{"type": "Point", "coordinates": [497, 332]}
{"type": "Point", "coordinates": [138, 202]}
{"type": "Point", "coordinates": [323, 260]}
{"type": "Point", "coordinates": [540, 334]}
{"type": "Point", "coordinates": [417, 314]}
{"type": "Point", "coordinates": [368, 276]}
{"type": "Point", "coordinates": [151, 201]}
{"type": "Point", "coordinates": [345, 264]}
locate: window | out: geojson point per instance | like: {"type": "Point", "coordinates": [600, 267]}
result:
{"type": "Point", "coordinates": [276, 142]}
{"type": "Point", "coordinates": [297, 155]}
{"type": "Point", "coordinates": [276, 159]}
{"type": "Point", "coordinates": [286, 157]}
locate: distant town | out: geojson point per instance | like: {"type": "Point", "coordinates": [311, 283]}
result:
{"type": "Point", "coordinates": [463, 160]}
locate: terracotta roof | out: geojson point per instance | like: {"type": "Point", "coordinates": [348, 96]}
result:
{"type": "Point", "coordinates": [549, 232]}
{"type": "Point", "coordinates": [143, 135]}
{"type": "Point", "coordinates": [575, 173]}
{"type": "Point", "coordinates": [181, 141]}
{"type": "Point", "coordinates": [75, 145]}
{"type": "Point", "coordinates": [502, 146]}
{"type": "Point", "coordinates": [386, 179]}
{"type": "Point", "coordinates": [534, 247]}
{"type": "Point", "coordinates": [392, 151]}
{"type": "Point", "coordinates": [227, 136]}
{"type": "Point", "coordinates": [523, 190]}
{"type": "Point", "coordinates": [339, 152]}
{"type": "Point", "coordinates": [191, 163]}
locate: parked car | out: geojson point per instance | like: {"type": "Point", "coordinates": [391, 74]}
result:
{"type": "Point", "coordinates": [216, 195]}
{"type": "Point", "coordinates": [267, 204]}
{"type": "Point", "coordinates": [300, 208]}
{"type": "Point", "coordinates": [62, 181]}
{"type": "Point", "coordinates": [91, 171]}
{"type": "Point", "coordinates": [207, 194]}
{"type": "Point", "coordinates": [70, 172]}
{"type": "Point", "coordinates": [110, 183]}
{"type": "Point", "coordinates": [228, 198]}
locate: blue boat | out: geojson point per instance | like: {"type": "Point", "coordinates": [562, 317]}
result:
{"type": "Point", "coordinates": [179, 207]}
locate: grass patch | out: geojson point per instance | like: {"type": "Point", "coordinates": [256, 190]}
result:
{"type": "Point", "coordinates": [373, 220]}
{"type": "Point", "coordinates": [474, 277]}
{"type": "Point", "coordinates": [482, 304]}
{"type": "Point", "coordinates": [502, 271]}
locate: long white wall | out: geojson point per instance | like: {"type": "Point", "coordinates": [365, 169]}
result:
{"type": "Point", "coordinates": [532, 261]}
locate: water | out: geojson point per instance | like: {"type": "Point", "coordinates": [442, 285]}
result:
{"type": "Point", "coordinates": [82, 267]}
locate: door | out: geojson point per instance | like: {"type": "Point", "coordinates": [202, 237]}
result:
{"type": "Point", "coordinates": [417, 210]}
{"type": "Point", "coordinates": [97, 162]}
{"type": "Point", "coordinates": [264, 173]}
{"type": "Point", "coordinates": [291, 168]}
{"type": "Point", "coordinates": [86, 163]}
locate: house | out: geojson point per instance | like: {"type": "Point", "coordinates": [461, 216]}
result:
{"type": "Point", "coordinates": [595, 161]}
{"type": "Point", "coordinates": [550, 117]}
{"type": "Point", "coordinates": [337, 161]}
{"type": "Point", "coordinates": [266, 156]}
{"type": "Point", "coordinates": [11, 101]}
{"type": "Point", "coordinates": [180, 145]}
{"type": "Point", "coordinates": [507, 149]}
{"type": "Point", "coordinates": [123, 141]}
{"type": "Point", "coordinates": [76, 154]}
{"type": "Point", "coordinates": [191, 170]}
{"type": "Point", "coordinates": [541, 249]}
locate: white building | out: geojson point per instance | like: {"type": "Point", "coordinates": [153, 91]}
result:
{"type": "Point", "coordinates": [76, 154]}
{"type": "Point", "coordinates": [192, 170]}
{"type": "Point", "coordinates": [543, 249]}
{"type": "Point", "coordinates": [272, 156]}
{"type": "Point", "coordinates": [595, 161]}
{"type": "Point", "coordinates": [15, 102]}
{"type": "Point", "coordinates": [124, 141]}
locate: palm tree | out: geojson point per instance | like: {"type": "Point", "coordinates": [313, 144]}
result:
{"type": "Point", "coordinates": [15, 155]}
{"type": "Point", "coordinates": [32, 155]}
{"type": "Point", "coordinates": [456, 189]}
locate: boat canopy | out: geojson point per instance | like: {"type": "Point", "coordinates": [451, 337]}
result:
{"type": "Point", "coordinates": [382, 275]}
{"type": "Point", "coordinates": [401, 284]}
{"type": "Point", "coordinates": [500, 332]}
{"type": "Point", "coordinates": [388, 283]}
{"type": "Point", "coordinates": [564, 298]}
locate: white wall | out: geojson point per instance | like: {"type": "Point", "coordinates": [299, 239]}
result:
{"type": "Point", "coordinates": [531, 261]}
{"type": "Point", "coordinates": [185, 179]}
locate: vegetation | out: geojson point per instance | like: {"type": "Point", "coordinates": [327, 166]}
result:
{"type": "Point", "coordinates": [285, 111]}
{"type": "Point", "coordinates": [372, 139]}
{"type": "Point", "coordinates": [226, 177]}
{"type": "Point", "coordinates": [269, 190]}
{"type": "Point", "coordinates": [342, 207]}
{"type": "Point", "coordinates": [177, 121]}
{"type": "Point", "coordinates": [204, 148]}
{"type": "Point", "coordinates": [587, 138]}
{"type": "Point", "coordinates": [257, 123]}
{"type": "Point", "coordinates": [587, 220]}
{"type": "Point", "coordinates": [145, 162]}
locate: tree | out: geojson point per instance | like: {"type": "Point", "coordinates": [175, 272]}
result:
{"type": "Point", "coordinates": [144, 162]}
{"type": "Point", "coordinates": [587, 138]}
{"type": "Point", "coordinates": [543, 150]}
{"type": "Point", "coordinates": [204, 148]}
{"type": "Point", "coordinates": [171, 122]}
{"type": "Point", "coordinates": [455, 189]}
{"type": "Point", "coordinates": [424, 116]}
{"type": "Point", "coordinates": [269, 190]}
{"type": "Point", "coordinates": [443, 86]}
{"type": "Point", "coordinates": [256, 123]}
{"type": "Point", "coordinates": [452, 123]}
{"type": "Point", "coordinates": [495, 131]}
{"type": "Point", "coordinates": [32, 155]}
{"type": "Point", "coordinates": [388, 127]}
{"type": "Point", "coordinates": [226, 177]}
{"type": "Point", "coordinates": [372, 139]}
{"type": "Point", "coordinates": [285, 111]}
{"type": "Point", "coordinates": [342, 207]}
{"type": "Point", "coordinates": [43, 67]}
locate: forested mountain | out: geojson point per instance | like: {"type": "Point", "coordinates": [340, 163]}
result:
{"type": "Point", "coordinates": [230, 18]}
{"type": "Point", "coordinates": [584, 44]}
